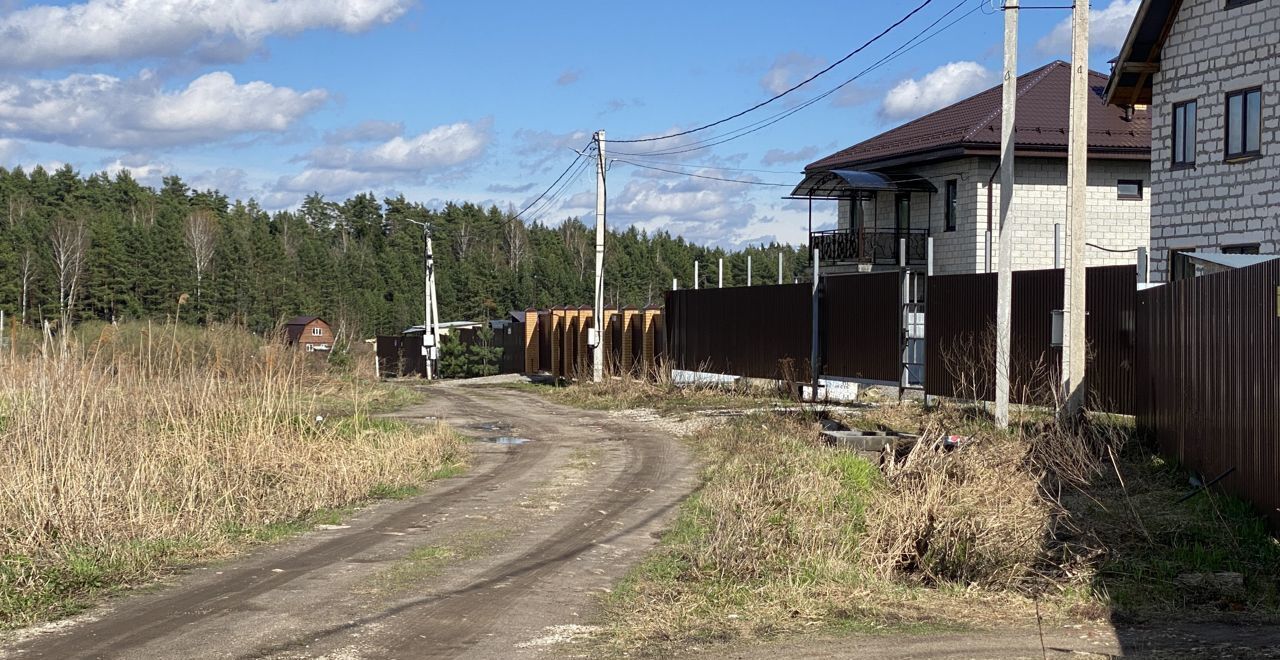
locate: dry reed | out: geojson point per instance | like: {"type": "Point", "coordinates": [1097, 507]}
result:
{"type": "Point", "coordinates": [151, 445]}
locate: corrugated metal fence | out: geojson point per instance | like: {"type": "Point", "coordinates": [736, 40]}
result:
{"type": "Point", "coordinates": [767, 332]}
{"type": "Point", "coordinates": [960, 350]}
{"type": "Point", "coordinates": [1208, 389]}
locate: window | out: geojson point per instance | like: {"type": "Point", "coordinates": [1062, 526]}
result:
{"type": "Point", "coordinates": [1244, 124]}
{"type": "Point", "coordinates": [950, 209]}
{"type": "Point", "coordinates": [902, 212]}
{"type": "Point", "coordinates": [1249, 248]}
{"type": "Point", "coordinates": [1231, 4]}
{"type": "Point", "coordinates": [317, 332]}
{"type": "Point", "coordinates": [1184, 134]}
{"type": "Point", "coordinates": [1181, 267]}
{"type": "Point", "coordinates": [1129, 189]}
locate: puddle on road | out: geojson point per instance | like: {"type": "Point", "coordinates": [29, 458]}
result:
{"type": "Point", "coordinates": [491, 427]}
{"type": "Point", "coordinates": [505, 440]}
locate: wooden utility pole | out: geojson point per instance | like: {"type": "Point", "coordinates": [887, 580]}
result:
{"type": "Point", "coordinates": [1073, 339]}
{"type": "Point", "coordinates": [596, 336]}
{"type": "Point", "coordinates": [1004, 281]}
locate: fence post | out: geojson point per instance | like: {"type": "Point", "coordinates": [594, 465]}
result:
{"type": "Point", "coordinates": [748, 270]}
{"type": "Point", "coordinates": [695, 276]}
{"type": "Point", "coordinates": [1057, 245]}
{"type": "Point", "coordinates": [928, 247]}
{"type": "Point", "coordinates": [720, 277]}
{"type": "Point", "coordinates": [1144, 266]}
{"type": "Point", "coordinates": [815, 310]}
{"type": "Point", "coordinates": [779, 268]}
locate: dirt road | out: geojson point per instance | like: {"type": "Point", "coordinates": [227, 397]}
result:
{"type": "Point", "coordinates": [499, 563]}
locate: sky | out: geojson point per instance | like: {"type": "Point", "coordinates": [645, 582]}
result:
{"type": "Point", "coordinates": [485, 102]}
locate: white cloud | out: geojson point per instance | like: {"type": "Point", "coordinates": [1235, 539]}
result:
{"type": "Point", "coordinates": [104, 111]}
{"type": "Point", "coordinates": [787, 70]}
{"type": "Point", "coordinates": [1107, 29]}
{"type": "Point", "coordinates": [339, 171]}
{"type": "Point", "coordinates": [47, 36]}
{"type": "Point", "coordinates": [438, 149]}
{"type": "Point", "coordinates": [780, 156]}
{"type": "Point", "coordinates": [939, 88]}
{"type": "Point", "coordinates": [9, 151]}
{"type": "Point", "coordinates": [698, 209]}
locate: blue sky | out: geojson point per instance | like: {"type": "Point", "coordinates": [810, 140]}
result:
{"type": "Point", "coordinates": [481, 101]}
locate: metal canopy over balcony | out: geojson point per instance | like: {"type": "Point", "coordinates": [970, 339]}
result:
{"type": "Point", "coordinates": [845, 184]}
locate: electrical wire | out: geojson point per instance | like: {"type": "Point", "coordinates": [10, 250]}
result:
{"type": "Point", "coordinates": [916, 41]}
{"type": "Point", "coordinates": [793, 88]}
{"type": "Point", "coordinates": [704, 176]}
{"type": "Point", "coordinates": [553, 183]}
{"type": "Point", "coordinates": [581, 162]}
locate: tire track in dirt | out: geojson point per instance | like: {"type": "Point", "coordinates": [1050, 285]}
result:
{"type": "Point", "coordinates": [309, 597]}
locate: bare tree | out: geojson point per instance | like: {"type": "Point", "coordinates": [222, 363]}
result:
{"type": "Point", "coordinates": [201, 235]}
{"type": "Point", "coordinates": [69, 241]}
{"type": "Point", "coordinates": [516, 238]}
{"type": "Point", "coordinates": [26, 273]}
{"type": "Point", "coordinates": [18, 204]}
{"type": "Point", "coordinates": [462, 240]}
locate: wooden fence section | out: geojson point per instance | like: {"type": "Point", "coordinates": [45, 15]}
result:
{"type": "Point", "coordinates": [960, 330]}
{"type": "Point", "coordinates": [1208, 390]}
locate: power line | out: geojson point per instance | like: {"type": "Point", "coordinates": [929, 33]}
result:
{"type": "Point", "coordinates": [793, 88]}
{"type": "Point", "coordinates": [704, 176]}
{"type": "Point", "coordinates": [916, 41]}
{"type": "Point", "coordinates": [575, 160]}
{"type": "Point", "coordinates": [581, 162]}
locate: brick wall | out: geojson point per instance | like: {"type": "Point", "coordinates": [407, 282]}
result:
{"type": "Point", "coordinates": [1212, 50]}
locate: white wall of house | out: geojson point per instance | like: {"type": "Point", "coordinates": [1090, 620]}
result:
{"type": "Point", "coordinates": [1040, 202]}
{"type": "Point", "coordinates": [1212, 50]}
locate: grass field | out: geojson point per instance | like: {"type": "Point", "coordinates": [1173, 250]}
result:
{"type": "Point", "coordinates": [133, 450]}
{"type": "Point", "coordinates": [788, 535]}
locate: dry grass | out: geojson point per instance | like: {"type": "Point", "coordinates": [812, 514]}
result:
{"type": "Point", "coordinates": [660, 392]}
{"type": "Point", "coordinates": [149, 446]}
{"type": "Point", "coordinates": [1082, 522]}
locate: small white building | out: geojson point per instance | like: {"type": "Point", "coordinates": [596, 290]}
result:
{"type": "Point", "coordinates": [1210, 71]}
{"type": "Point", "coordinates": [938, 176]}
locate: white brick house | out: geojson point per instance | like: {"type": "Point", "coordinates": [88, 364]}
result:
{"type": "Point", "coordinates": [1210, 71]}
{"type": "Point", "coordinates": [937, 177]}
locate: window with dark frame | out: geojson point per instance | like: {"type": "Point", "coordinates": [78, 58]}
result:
{"type": "Point", "coordinates": [318, 332]}
{"type": "Point", "coordinates": [1184, 134]}
{"type": "Point", "coordinates": [952, 189]}
{"type": "Point", "coordinates": [1232, 4]}
{"type": "Point", "coordinates": [1243, 134]}
{"type": "Point", "coordinates": [1129, 189]}
{"type": "Point", "coordinates": [1247, 248]}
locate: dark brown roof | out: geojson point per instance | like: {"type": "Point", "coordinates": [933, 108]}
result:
{"type": "Point", "coordinates": [301, 320]}
{"type": "Point", "coordinates": [972, 126]}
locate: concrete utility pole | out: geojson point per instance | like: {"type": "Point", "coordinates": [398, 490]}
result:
{"type": "Point", "coordinates": [1004, 281]}
{"type": "Point", "coordinates": [430, 306]}
{"type": "Point", "coordinates": [597, 334]}
{"type": "Point", "coordinates": [1073, 339]}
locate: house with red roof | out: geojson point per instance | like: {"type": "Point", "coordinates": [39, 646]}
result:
{"type": "Point", "coordinates": [938, 177]}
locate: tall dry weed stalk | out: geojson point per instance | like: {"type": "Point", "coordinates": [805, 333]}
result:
{"type": "Point", "coordinates": [150, 435]}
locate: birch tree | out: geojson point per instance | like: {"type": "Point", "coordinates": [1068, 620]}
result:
{"type": "Point", "coordinates": [69, 242]}
{"type": "Point", "coordinates": [200, 234]}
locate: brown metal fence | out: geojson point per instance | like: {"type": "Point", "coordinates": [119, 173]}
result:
{"type": "Point", "coordinates": [766, 331]}
{"type": "Point", "coordinates": [960, 349]}
{"type": "Point", "coordinates": [745, 331]}
{"type": "Point", "coordinates": [1208, 390]}
{"type": "Point", "coordinates": [862, 326]}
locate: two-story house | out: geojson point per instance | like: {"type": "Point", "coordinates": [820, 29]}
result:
{"type": "Point", "coordinates": [1210, 72]}
{"type": "Point", "coordinates": [938, 176]}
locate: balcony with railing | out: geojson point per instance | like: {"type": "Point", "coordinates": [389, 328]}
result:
{"type": "Point", "coordinates": [875, 247]}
